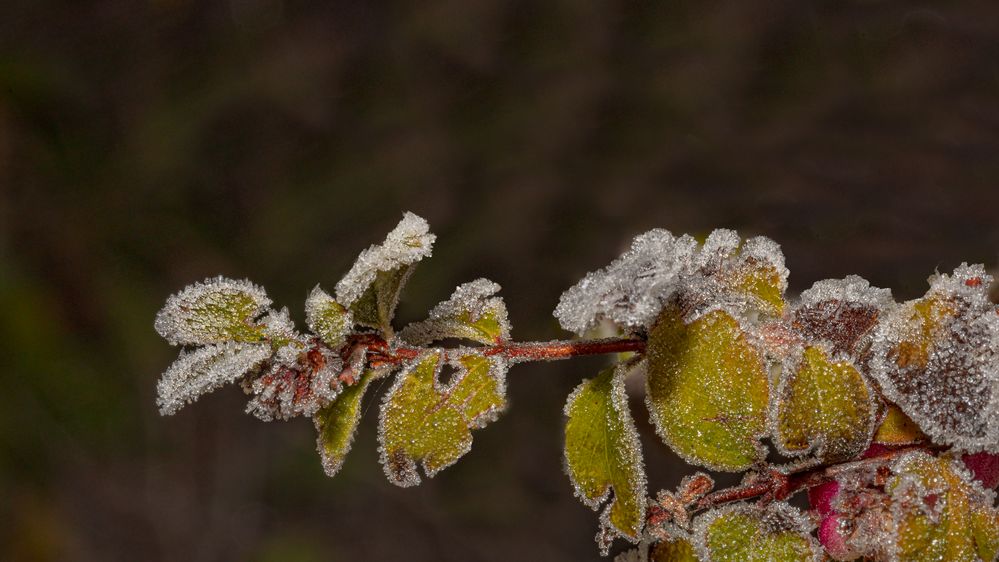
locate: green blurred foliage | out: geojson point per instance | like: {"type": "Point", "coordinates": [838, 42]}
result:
{"type": "Point", "coordinates": [147, 145]}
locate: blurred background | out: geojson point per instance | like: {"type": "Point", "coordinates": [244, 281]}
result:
{"type": "Point", "coordinates": [145, 145]}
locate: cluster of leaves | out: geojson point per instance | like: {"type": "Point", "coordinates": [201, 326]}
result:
{"type": "Point", "coordinates": [730, 365]}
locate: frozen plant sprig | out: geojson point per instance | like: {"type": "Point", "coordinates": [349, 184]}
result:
{"type": "Point", "coordinates": [890, 411]}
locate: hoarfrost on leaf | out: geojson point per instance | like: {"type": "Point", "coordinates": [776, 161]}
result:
{"type": "Point", "coordinates": [337, 423]}
{"type": "Point", "coordinates": [822, 404]}
{"type": "Point", "coordinates": [634, 288]}
{"type": "Point", "coordinates": [204, 369]}
{"type": "Point", "coordinates": [371, 288]}
{"type": "Point", "coordinates": [707, 390]}
{"type": "Point", "coordinates": [937, 358]}
{"type": "Point", "coordinates": [472, 312]}
{"type": "Point", "coordinates": [327, 318]}
{"type": "Point", "coordinates": [603, 455]}
{"type": "Point", "coordinates": [841, 312]}
{"type": "Point", "coordinates": [939, 512]}
{"type": "Point", "coordinates": [214, 311]}
{"type": "Point", "coordinates": [428, 422]}
{"type": "Point", "coordinates": [742, 532]}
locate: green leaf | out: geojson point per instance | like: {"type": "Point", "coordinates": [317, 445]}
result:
{"type": "Point", "coordinates": [939, 512]}
{"type": "Point", "coordinates": [824, 406]}
{"type": "Point", "coordinates": [425, 421]}
{"type": "Point", "coordinates": [336, 424]}
{"type": "Point", "coordinates": [749, 533]}
{"type": "Point", "coordinates": [327, 318]}
{"type": "Point", "coordinates": [675, 550]}
{"type": "Point", "coordinates": [707, 390]}
{"type": "Point", "coordinates": [471, 313]}
{"type": "Point", "coordinates": [370, 290]}
{"type": "Point", "coordinates": [215, 311]}
{"type": "Point", "coordinates": [897, 429]}
{"type": "Point", "coordinates": [603, 454]}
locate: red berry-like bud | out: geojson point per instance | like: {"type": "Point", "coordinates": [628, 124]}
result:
{"type": "Point", "coordinates": [820, 497]}
{"type": "Point", "coordinates": [833, 539]}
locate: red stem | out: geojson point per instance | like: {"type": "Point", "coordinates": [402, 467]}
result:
{"type": "Point", "coordinates": [380, 353]}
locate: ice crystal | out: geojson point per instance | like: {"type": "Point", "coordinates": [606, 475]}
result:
{"type": "Point", "coordinates": [938, 359]}
{"type": "Point", "coordinates": [634, 288]}
{"type": "Point", "coordinates": [214, 311]}
{"type": "Point", "coordinates": [472, 312]}
{"type": "Point", "coordinates": [204, 369]}
{"type": "Point", "coordinates": [327, 318]}
{"type": "Point", "coordinates": [409, 242]}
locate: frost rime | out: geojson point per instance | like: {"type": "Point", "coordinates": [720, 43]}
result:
{"type": "Point", "coordinates": [200, 371]}
{"type": "Point", "coordinates": [409, 242]}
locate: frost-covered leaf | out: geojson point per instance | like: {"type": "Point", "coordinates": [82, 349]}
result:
{"type": "Point", "coordinates": [823, 405]}
{"type": "Point", "coordinates": [937, 358]}
{"type": "Point", "coordinates": [214, 311]}
{"type": "Point", "coordinates": [633, 289]}
{"type": "Point", "coordinates": [204, 369]}
{"type": "Point", "coordinates": [707, 390]}
{"type": "Point", "coordinates": [425, 421]}
{"type": "Point", "coordinates": [749, 533]}
{"type": "Point", "coordinates": [371, 288]}
{"type": "Point", "coordinates": [327, 318]}
{"type": "Point", "coordinates": [939, 513]}
{"type": "Point", "coordinates": [840, 312]}
{"type": "Point", "coordinates": [603, 457]}
{"type": "Point", "coordinates": [668, 550]}
{"type": "Point", "coordinates": [472, 312]}
{"type": "Point", "coordinates": [897, 429]}
{"type": "Point", "coordinates": [336, 424]}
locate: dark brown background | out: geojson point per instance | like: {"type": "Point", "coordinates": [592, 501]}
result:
{"type": "Point", "coordinates": [145, 145]}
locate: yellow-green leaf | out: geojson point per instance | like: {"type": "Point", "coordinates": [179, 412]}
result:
{"type": "Point", "coordinates": [336, 424]}
{"type": "Point", "coordinates": [425, 421]}
{"type": "Point", "coordinates": [824, 406]}
{"type": "Point", "coordinates": [897, 429]}
{"type": "Point", "coordinates": [676, 550]}
{"type": "Point", "coordinates": [602, 452]}
{"type": "Point", "coordinates": [327, 318]}
{"type": "Point", "coordinates": [939, 513]}
{"type": "Point", "coordinates": [215, 311]}
{"type": "Point", "coordinates": [985, 529]}
{"type": "Point", "coordinates": [749, 533]}
{"type": "Point", "coordinates": [472, 312]}
{"type": "Point", "coordinates": [707, 390]}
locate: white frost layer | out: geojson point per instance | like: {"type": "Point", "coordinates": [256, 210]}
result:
{"type": "Point", "coordinates": [409, 242]}
{"type": "Point", "coordinates": [196, 315]}
{"type": "Point", "coordinates": [204, 369]}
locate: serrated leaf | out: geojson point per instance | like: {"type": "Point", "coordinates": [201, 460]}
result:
{"type": "Point", "coordinates": [214, 311]}
{"type": "Point", "coordinates": [602, 452]}
{"type": "Point", "coordinates": [430, 423]}
{"type": "Point", "coordinates": [707, 390]}
{"type": "Point", "coordinates": [937, 358]}
{"type": "Point", "coordinates": [327, 318]}
{"type": "Point", "coordinates": [204, 369]}
{"type": "Point", "coordinates": [749, 533]}
{"type": "Point", "coordinates": [336, 424]}
{"type": "Point", "coordinates": [934, 505]}
{"type": "Point", "coordinates": [471, 313]}
{"type": "Point", "coordinates": [372, 286]}
{"type": "Point", "coordinates": [897, 429]}
{"type": "Point", "coordinates": [824, 406]}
